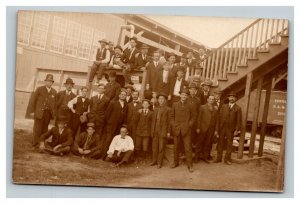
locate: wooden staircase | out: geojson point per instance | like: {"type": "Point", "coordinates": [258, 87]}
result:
{"type": "Point", "coordinates": [260, 48]}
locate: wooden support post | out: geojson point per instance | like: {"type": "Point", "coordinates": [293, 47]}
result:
{"type": "Point", "coordinates": [264, 120]}
{"type": "Point", "coordinates": [143, 87]}
{"type": "Point", "coordinates": [280, 167]}
{"type": "Point", "coordinates": [255, 117]}
{"type": "Point", "coordinates": [245, 116]}
{"type": "Point", "coordinates": [61, 78]}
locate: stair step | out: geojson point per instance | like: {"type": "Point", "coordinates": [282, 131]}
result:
{"type": "Point", "coordinates": [242, 65]}
{"type": "Point", "coordinates": [232, 72]}
{"type": "Point", "coordinates": [263, 50]}
{"type": "Point", "coordinates": [222, 79]}
{"type": "Point", "coordinates": [253, 58]}
{"type": "Point", "coordinates": [274, 43]}
{"type": "Point", "coordinates": [284, 35]}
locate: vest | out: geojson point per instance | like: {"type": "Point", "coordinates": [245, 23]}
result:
{"type": "Point", "coordinates": [99, 56]}
{"type": "Point", "coordinates": [81, 106]}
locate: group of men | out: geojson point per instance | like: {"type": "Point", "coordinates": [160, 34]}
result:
{"type": "Point", "coordinates": [117, 125]}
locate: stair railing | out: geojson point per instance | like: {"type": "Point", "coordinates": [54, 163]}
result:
{"type": "Point", "coordinates": [243, 46]}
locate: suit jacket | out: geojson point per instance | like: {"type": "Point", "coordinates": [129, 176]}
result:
{"type": "Point", "coordinates": [184, 84]}
{"type": "Point", "coordinates": [97, 113]}
{"type": "Point", "coordinates": [195, 102]}
{"type": "Point", "coordinates": [183, 117]}
{"type": "Point", "coordinates": [132, 113]}
{"type": "Point", "coordinates": [140, 62]}
{"type": "Point", "coordinates": [230, 117]}
{"type": "Point", "coordinates": [115, 116]}
{"type": "Point", "coordinates": [161, 121]}
{"type": "Point", "coordinates": [38, 101]}
{"type": "Point", "coordinates": [60, 99]}
{"type": "Point", "coordinates": [131, 60]}
{"type": "Point", "coordinates": [152, 74]}
{"type": "Point", "coordinates": [64, 139]}
{"type": "Point", "coordinates": [129, 100]}
{"type": "Point", "coordinates": [112, 90]}
{"type": "Point", "coordinates": [207, 117]}
{"type": "Point", "coordinates": [191, 65]}
{"type": "Point", "coordinates": [143, 125]}
{"type": "Point", "coordinates": [203, 97]}
{"type": "Point", "coordinates": [164, 87]}
{"type": "Point", "coordinates": [81, 139]}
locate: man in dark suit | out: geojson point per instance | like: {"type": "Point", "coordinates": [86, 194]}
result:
{"type": "Point", "coordinates": [195, 101]}
{"type": "Point", "coordinates": [114, 118]}
{"type": "Point", "coordinates": [153, 69]}
{"type": "Point", "coordinates": [112, 88]}
{"type": "Point", "coordinates": [205, 92]}
{"type": "Point", "coordinates": [79, 107]}
{"type": "Point", "coordinates": [97, 112]}
{"type": "Point", "coordinates": [86, 144]}
{"type": "Point", "coordinates": [129, 90]}
{"type": "Point", "coordinates": [183, 117]}
{"type": "Point", "coordinates": [61, 141]}
{"type": "Point", "coordinates": [206, 128]}
{"type": "Point", "coordinates": [63, 98]}
{"type": "Point", "coordinates": [172, 59]}
{"type": "Point", "coordinates": [129, 58]}
{"type": "Point", "coordinates": [103, 57]}
{"type": "Point", "coordinates": [229, 125]}
{"type": "Point", "coordinates": [164, 81]}
{"type": "Point", "coordinates": [218, 102]}
{"type": "Point", "coordinates": [191, 63]}
{"type": "Point", "coordinates": [178, 84]}
{"type": "Point", "coordinates": [160, 130]}
{"type": "Point", "coordinates": [142, 59]}
{"type": "Point", "coordinates": [132, 114]}
{"type": "Point", "coordinates": [143, 130]}
{"type": "Point", "coordinates": [42, 107]}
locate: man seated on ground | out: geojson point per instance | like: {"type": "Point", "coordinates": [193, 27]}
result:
{"type": "Point", "coordinates": [86, 144]}
{"type": "Point", "coordinates": [62, 138]}
{"type": "Point", "coordinates": [121, 148]}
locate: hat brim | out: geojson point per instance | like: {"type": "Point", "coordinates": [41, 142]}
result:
{"type": "Point", "coordinates": [100, 41]}
{"type": "Point", "coordinates": [49, 80]}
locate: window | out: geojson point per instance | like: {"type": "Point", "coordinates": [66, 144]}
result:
{"type": "Point", "coordinates": [98, 35]}
{"type": "Point", "coordinates": [24, 27]}
{"type": "Point", "coordinates": [84, 46]}
{"type": "Point", "coordinates": [40, 30]}
{"type": "Point", "coordinates": [72, 38]}
{"type": "Point", "coordinates": [59, 30]}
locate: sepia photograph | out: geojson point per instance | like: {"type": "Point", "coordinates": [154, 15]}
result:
{"type": "Point", "coordinates": [150, 101]}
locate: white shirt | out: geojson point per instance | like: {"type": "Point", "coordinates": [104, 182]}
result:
{"type": "Point", "coordinates": [131, 52]}
{"type": "Point", "coordinates": [48, 89]}
{"type": "Point", "coordinates": [127, 98]}
{"type": "Point", "coordinates": [155, 63]}
{"type": "Point", "coordinates": [165, 76]}
{"type": "Point", "coordinates": [120, 144]}
{"type": "Point", "coordinates": [177, 87]}
{"type": "Point", "coordinates": [107, 56]}
{"type": "Point", "coordinates": [73, 102]}
{"type": "Point", "coordinates": [231, 105]}
{"type": "Point", "coordinates": [122, 103]}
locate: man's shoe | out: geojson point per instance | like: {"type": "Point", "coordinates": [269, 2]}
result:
{"type": "Point", "coordinates": [152, 163]}
{"type": "Point", "coordinates": [159, 166]}
{"type": "Point", "coordinates": [205, 160]}
{"type": "Point", "coordinates": [174, 166]}
{"type": "Point", "coordinates": [191, 169]}
{"type": "Point", "coordinates": [227, 162]}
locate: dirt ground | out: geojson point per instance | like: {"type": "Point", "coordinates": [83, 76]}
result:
{"type": "Point", "coordinates": [34, 168]}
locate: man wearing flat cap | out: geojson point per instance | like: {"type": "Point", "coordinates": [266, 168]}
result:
{"type": "Point", "coordinates": [142, 59]}
{"type": "Point", "coordinates": [63, 98]}
{"type": "Point", "coordinates": [62, 138]}
{"type": "Point", "coordinates": [183, 117]}
{"type": "Point", "coordinates": [42, 108]}
{"type": "Point", "coordinates": [204, 93]}
{"type": "Point", "coordinates": [101, 62]}
{"type": "Point", "coordinates": [229, 126]}
{"type": "Point", "coordinates": [86, 144]}
{"type": "Point", "coordinates": [160, 129]}
{"type": "Point", "coordinates": [112, 88]}
{"type": "Point", "coordinates": [129, 58]}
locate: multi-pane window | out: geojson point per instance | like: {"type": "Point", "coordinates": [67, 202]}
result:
{"type": "Point", "coordinates": [25, 19]}
{"type": "Point", "coordinates": [98, 35]}
{"type": "Point", "coordinates": [59, 30]}
{"type": "Point", "coordinates": [40, 30]}
{"type": "Point", "coordinates": [72, 38]}
{"type": "Point", "coordinates": [84, 45]}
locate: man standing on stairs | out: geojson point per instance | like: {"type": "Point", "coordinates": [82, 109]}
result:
{"type": "Point", "coordinates": [112, 88]}
{"type": "Point", "coordinates": [229, 126]}
{"type": "Point", "coordinates": [204, 93]}
{"type": "Point", "coordinates": [101, 61]}
{"type": "Point", "coordinates": [191, 63]}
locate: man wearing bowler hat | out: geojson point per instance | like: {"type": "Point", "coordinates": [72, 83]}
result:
{"type": "Point", "coordinates": [62, 138]}
{"type": "Point", "coordinates": [112, 88]}
{"type": "Point", "coordinates": [129, 58]}
{"type": "Point", "coordinates": [229, 125]}
{"type": "Point", "coordinates": [42, 108]}
{"type": "Point", "coordinates": [160, 129]}
{"type": "Point", "coordinates": [86, 144]}
{"type": "Point", "coordinates": [142, 59]}
{"type": "Point", "coordinates": [183, 117]}
{"type": "Point", "coordinates": [63, 98]}
{"type": "Point", "coordinates": [101, 61]}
